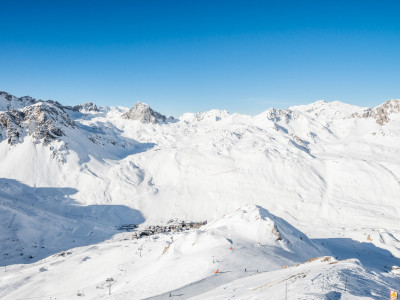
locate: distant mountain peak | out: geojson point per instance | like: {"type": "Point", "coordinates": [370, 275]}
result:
{"type": "Point", "coordinates": [382, 112]}
{"type": "Point", "coordinates": [142, 112]}
{"type": "Point", "coordinates": [85, 107]}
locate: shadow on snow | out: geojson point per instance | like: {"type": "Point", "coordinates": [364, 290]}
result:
{"type": "Point", "coordinates": [38, 222]}
{"type": "Point", "coordinates": [368, 254]}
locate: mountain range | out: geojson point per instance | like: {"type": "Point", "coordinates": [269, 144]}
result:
{"type": "Point", "coordinates": [70, 174]}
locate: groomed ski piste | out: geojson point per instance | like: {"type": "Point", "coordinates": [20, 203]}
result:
{"type": "Point", "coordinates": [301, 203]}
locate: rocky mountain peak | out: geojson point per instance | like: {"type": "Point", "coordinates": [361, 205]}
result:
{"type": "Point", "coordinates": [381, 113]}
{"type": "Point", "coordinates": [85, 107]}
{"type": "Point", "coordinates": [45, 121]}
{"type": "Point", "coordinates": [9, 102]}
{"type": "Point", "coordinates": [143, 113]}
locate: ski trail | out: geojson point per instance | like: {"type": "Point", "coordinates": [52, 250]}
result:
{"type": "Point", "coordinates": [201, 286]}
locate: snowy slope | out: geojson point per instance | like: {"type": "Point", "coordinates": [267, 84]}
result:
{"type": "Point", "coordinates": [322, 278]}
{"type": "Point", "coordinates": [328, 168]}
{"type": "Point", "coordinates": [255, 253]}
{"type": "Point", "coordinates": [228, 245]}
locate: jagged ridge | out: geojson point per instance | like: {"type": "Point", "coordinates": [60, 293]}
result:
{"type": "Point", "coordinates": [143, 113]}
{"type": "Point", "coordinates": [381, 112]}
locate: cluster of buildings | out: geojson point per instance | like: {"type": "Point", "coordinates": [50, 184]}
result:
{"type": "Point", "coordinates": [155, 229]}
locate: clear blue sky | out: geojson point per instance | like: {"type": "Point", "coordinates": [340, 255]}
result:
{"type": "Point", "coordinates": [178, 56]}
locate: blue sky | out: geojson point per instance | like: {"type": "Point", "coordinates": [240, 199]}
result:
{"type": "Point", "coordinates": [179, 56]}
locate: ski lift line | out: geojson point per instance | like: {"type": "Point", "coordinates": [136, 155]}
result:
{"type": "Point", "coordinates": [215, 174]}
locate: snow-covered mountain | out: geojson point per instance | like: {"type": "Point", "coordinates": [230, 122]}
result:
{"type": "Point", "coordinates": [328, 168]}
{"type": "Point", "coordinates": [142, 112]}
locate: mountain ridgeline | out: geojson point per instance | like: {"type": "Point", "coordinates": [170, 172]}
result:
{"type": "Point", "coordinates": [46, 120]}
{"type": "Point", "coordinates": [325, 174]}
{"type": "Point", "coordinates": [200, 165]}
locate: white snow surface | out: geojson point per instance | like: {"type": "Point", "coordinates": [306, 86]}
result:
{"type": "Point", "coordinates": [325, 177]}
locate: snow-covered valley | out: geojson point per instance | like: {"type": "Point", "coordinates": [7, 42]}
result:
{"type": "Point", "coordinates": [278, 190]}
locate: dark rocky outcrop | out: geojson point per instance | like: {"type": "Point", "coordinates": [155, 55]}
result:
{"type": "Point", "coordinates": [8, 101]}
{"type": "Point", "coordinates": [44, 120]}
{"type": "Point", "coordinates": [143, 113]}
{"type": "Point", "coordinates": [85, 107]}
{"type": "Point", "coordinates": [381, 113]}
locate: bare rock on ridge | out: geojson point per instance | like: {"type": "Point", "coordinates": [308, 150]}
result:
{"type": "Point", "coordinates": [143, 113]}
{"type": "Point", "coordinates": [9, 102]}
{"type": "Point", "coordinates": [382, 112]}
{"type": "Point", "coordinates": [85, 107]}
{"type": "Point", "coordinates": [45, 121]}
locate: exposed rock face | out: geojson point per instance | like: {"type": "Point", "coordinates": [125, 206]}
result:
{"type": "Point", "coordinates": [143, 113]}
{"type": "Point", "coordinates": [277, 115]}
{"type": "Point", "coordinates": [382, 112]}
{"type": "Point", "coordinates": [8, 102]}
{"type": "Point", "coordinates": [85, 107]}
{"type": "Point", "coordinates": [45, 121]}
{"type": "Point", "coordinates": [10, 126]}
{"type": "Point", "coordinates": [60, 128]}
{"type": "Point", "coordinates": [48, 121]}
